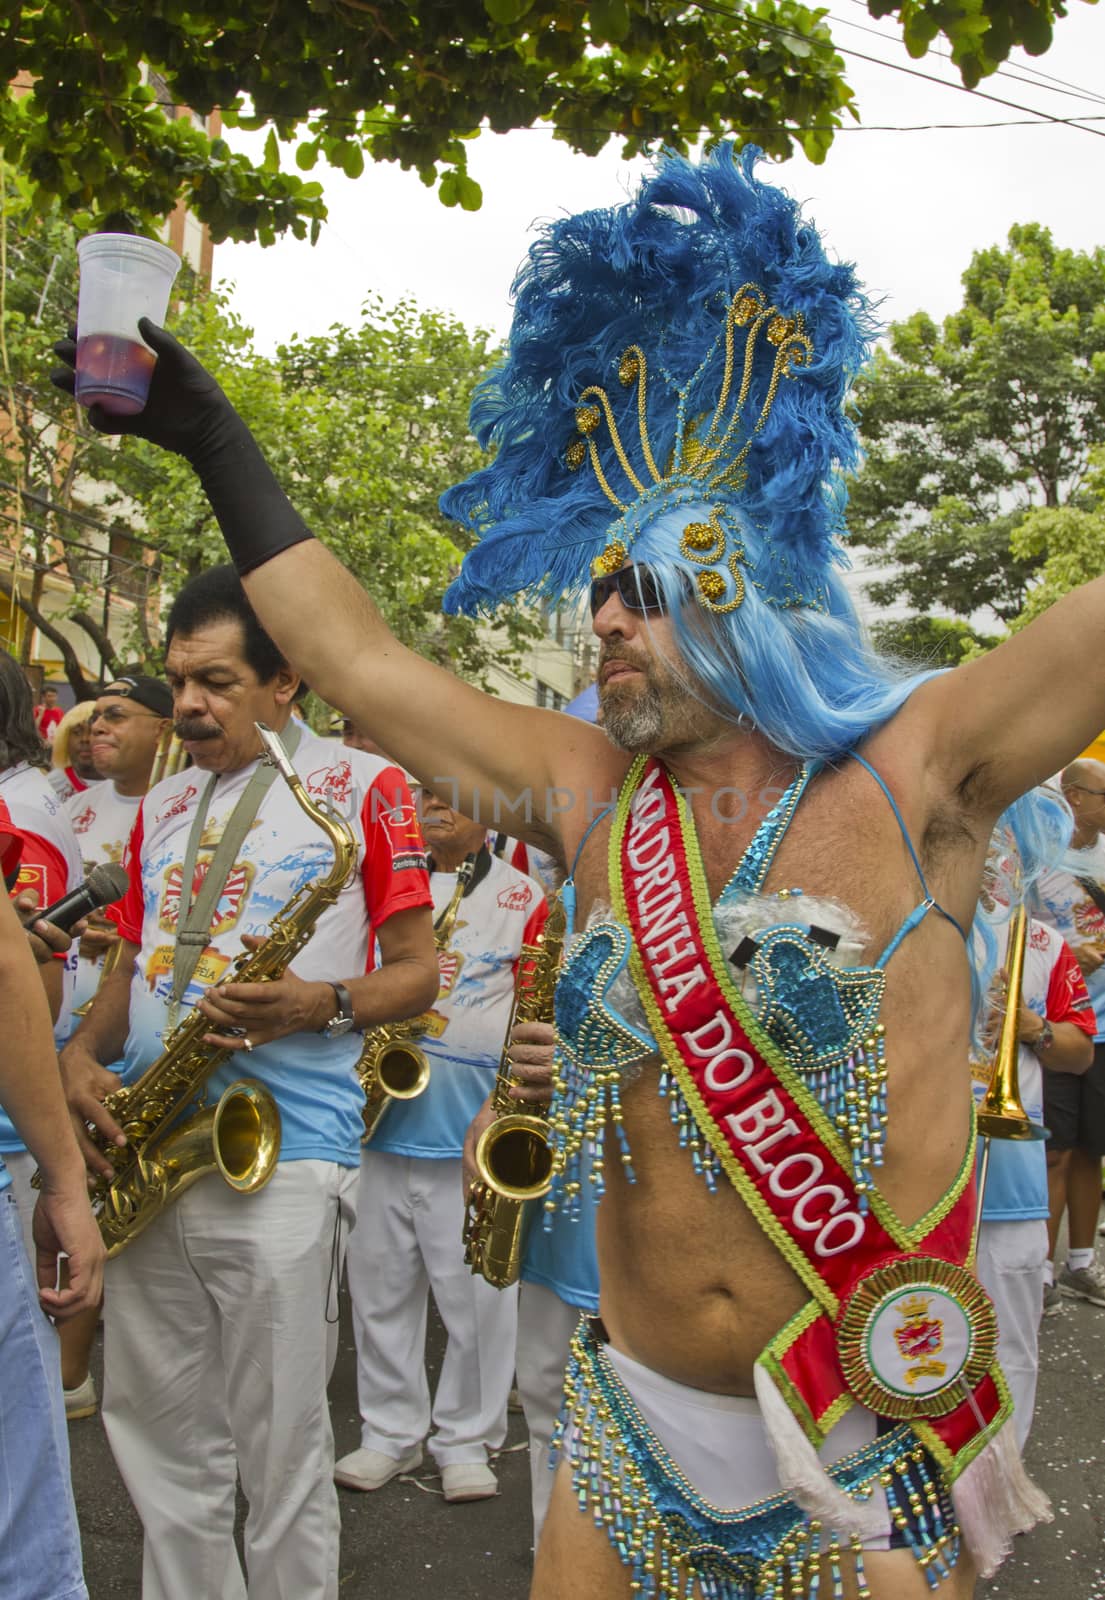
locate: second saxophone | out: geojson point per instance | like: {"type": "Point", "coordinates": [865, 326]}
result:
{"type": "Point", "coordinates": [513, 1156]}
{"type": "Point", "coordinates": [391, 1066]}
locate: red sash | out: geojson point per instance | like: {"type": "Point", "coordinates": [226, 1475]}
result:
{"type": "Point", "coordinates": [782, 1154]}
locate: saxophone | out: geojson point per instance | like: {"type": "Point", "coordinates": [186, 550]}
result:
{"type": "Point", "coordinates": [239, 1136]}
{"type": "Point", "coordinates": [512, 1156]}
{"type": "Point", "coordinates": [391, 1066]}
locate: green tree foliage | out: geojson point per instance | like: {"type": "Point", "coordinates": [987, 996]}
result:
{"type": "Point", "coordinates": [928, 641]}
{"type": "Point", "coordinates": [981, 32]}
{"type": "Point", "coordinates": [1067, 541]}
{"type": "Point", "coordinates": [969, 426]}
{"type": "Point", "coordinates": [365, 426]}
{"type": "Point", "coordinates": [411, 83]}
{"type": "Point", "coordinates": [45, 535]}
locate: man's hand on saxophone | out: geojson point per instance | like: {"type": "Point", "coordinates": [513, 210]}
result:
{"type": "Point", "coordinates": [87, 1085]}
{"type": "Point", "coordinates": [245, 1015]}
{"type": "Point", "coordinates": [87, 1081]}
{"type": "Point", "coordinates": [531, 1061]}
{"type": "Point", "coordinates": [403, 986]}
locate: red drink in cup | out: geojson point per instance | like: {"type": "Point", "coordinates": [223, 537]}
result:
{"type": "Point", "coordinates": [122, 278]}
{"type": "Point", "coordinates": [114, 373]}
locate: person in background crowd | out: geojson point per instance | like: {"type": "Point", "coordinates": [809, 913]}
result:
{"type": "Point", "coordinates": [71, 765]}
{"type": "Point", "coordinates": [411, 1200]}
{"type": "Point", "coordinates": [1055, 1035]}
{"type": "Point", "coordinates": [127, 722]}
{"type": "Point", "coordinates": [220, 1320]}
{"type": "Point", "coordinates": [355, 739]}
{"type": "Point", "coordinates": [49, 868]}
{"type": "Point", "coordinates": [39, 1540]}
{"type": "Point", "coordinates": [48, 713]}
{"type": "Point", "coordinates": [1070, 897]}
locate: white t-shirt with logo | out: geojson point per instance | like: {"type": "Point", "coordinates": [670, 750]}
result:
{"type": "Point", "coordinates": [1061, 901]}
{"type": "Point", "coordinates": [51, 866]}
{"type": "Point", "coordinates": [311, 1077]}
{"type": "Point", "coordinates": [102, 820]}
{"type": "Point", "coordinates": [464, 1043]}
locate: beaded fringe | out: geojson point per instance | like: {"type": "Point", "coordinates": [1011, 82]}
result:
{"type": "Point", "coordinates": [853, 1097]}
{"type": "Point", "coordinates": [582, 1102]}
{"type": "Point", "coordinates": [806, 1558]}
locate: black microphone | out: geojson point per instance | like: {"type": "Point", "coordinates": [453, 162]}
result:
{"type": "Point", "coordinates": [103, 885]}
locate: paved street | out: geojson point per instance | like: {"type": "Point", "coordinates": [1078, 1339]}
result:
{"type": "Point", "coordinates": [405, 1543]}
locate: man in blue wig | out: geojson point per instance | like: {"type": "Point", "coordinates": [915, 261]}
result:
{"type": "Point", "coordinates": [793, 1380]}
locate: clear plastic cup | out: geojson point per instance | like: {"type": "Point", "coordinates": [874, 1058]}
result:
{"type": "Point", "coordinates": [122, 278]}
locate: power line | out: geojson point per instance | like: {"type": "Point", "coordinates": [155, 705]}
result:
{"type": "Point", "coordinates": [913, 72]}
{"type": "Point", "coordinates": [1027, 74]}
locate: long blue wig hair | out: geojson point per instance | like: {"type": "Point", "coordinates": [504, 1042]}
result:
{"type": "Point", "coordinates": [661, 273]}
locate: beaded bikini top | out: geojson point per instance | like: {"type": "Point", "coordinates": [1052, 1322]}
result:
{"type": "Point", "coordinates": [822, 1015]}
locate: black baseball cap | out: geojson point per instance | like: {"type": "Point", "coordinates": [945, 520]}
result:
{"type": "Point", "coordinates": [148, 692]}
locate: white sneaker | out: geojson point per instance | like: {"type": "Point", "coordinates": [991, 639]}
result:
{"type": "Point", "coordinates": [469, 1480]}
{"type": "Point", "coordinates": [1084, 1283]}
{"type": "Point", "coordinates": [81, 1401]}
{"type": "Point", "coordinates": [371, 1469]}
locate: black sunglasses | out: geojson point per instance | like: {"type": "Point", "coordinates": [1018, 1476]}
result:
{"type": "Point", "coordinates": [637, 588]}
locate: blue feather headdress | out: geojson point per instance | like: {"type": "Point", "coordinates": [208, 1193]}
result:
{"type": "Point", "coordinates": [674, 389]}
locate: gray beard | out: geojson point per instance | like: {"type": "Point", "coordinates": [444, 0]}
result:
{"type": "Point", "coordinates": [636, 726]}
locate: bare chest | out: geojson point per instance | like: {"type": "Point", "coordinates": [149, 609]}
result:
{"type": "Point", "coordinates": [842, 845]}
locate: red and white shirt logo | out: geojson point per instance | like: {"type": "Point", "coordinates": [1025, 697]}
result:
{"type": "Point", "coordinates": [518, 897]}
{"type": "Point", "coordinates": [177, 804]}
{"type": "Point", "coordinates": [84, 820]}
{"type": "Point", "coordinates": [332, 783]}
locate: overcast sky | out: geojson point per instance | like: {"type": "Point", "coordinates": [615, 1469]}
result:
{"type": "Point", "coordinates": [909, 207]}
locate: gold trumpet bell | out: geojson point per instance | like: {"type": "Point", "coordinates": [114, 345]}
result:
{"type": "Point", "coordinates": [245, 1136]}
{"type": "Point", "coordinates": [1000, 1118]}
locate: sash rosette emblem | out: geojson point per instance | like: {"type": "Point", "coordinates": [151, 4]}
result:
{"type": "Point", "coordinates": [914, 1336]}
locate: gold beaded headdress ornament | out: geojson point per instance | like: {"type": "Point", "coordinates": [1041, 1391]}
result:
{"type": "Point", "coordinates": [708, 459]}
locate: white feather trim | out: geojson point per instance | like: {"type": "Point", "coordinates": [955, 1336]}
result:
{"type": "Point", "coordinates": [994, 1499]}
{"type": "Point", "coordinates": [803, 1476]}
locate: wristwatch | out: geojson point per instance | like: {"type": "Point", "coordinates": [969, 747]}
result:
{"type": "Point", "coordinates": [343, 1022]}
{"type": "Point", "coordinates": [1044, 1039]}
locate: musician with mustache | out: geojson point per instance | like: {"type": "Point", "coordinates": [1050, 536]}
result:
{"type": "Point", "coordinates": [220, 1320]}
{"type": "Point", "coordinates": [763, 1024]}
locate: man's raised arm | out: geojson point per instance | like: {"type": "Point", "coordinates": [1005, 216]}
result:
{"type": "Point", "coordinates": [477, 751]}
{"type": "Point", "coordinates": [1015, 717]}
{"type": "Point", "coordinates": [468, 745]}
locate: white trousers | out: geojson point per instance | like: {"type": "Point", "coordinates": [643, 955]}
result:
{"type": "Point", "coordinates": [408, 1240]}
{"type": "Point", "coordinates": [1010, 1267]}
{"type": "Point", "coordinates": [220, 1336]}
{"type": "Point", "coordinates": [545, 1328]}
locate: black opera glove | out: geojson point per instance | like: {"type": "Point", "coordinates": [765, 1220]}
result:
{"type": "Point", "coordinates": [188, 413]}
